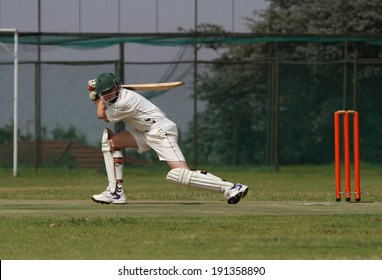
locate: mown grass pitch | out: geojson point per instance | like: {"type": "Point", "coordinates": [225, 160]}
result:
{"type": "Point", "coordinates": [291, 214]}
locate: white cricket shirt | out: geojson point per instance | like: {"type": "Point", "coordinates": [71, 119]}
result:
{"type": "Point", "coordinates": [135, 110]}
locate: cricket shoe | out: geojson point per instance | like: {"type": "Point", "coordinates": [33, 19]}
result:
{"type": "Point", "coordinates": [106, 197]}
{"type": "Point", "coordinates": [235, 193]}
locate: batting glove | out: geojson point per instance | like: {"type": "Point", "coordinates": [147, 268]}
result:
{"type": "Point", "coordinates": [91, 89]}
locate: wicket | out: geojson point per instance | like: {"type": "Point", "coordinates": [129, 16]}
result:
{"type": "Point", "coordinates": [337, 154]}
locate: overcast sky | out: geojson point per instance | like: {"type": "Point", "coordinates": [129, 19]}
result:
{"type": "Point", "coordinates": [126, 16]}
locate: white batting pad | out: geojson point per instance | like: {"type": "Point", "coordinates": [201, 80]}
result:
{"type": "Point", "coordinates": [197, 179]}
{"type": "Point", "coordinates": [109, 160]}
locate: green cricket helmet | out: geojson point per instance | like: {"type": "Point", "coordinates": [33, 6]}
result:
{"type": "Point", "coordinates": [105, 82]}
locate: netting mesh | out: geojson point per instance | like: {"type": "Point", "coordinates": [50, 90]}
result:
{"type": "Point", "coordinates": [65, 101]}
{"type": "Point", "coordinates": [275, 108]}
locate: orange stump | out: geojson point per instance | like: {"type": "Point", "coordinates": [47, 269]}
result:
{"type": "Point", "coordinates": [357, 167]}
{"type": "Point", "coordinates": [337, 154]}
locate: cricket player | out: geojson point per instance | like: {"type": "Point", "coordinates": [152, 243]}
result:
{"type": "Point", "coordinates": [151, 129]}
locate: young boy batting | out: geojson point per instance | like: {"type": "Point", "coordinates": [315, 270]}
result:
{"type": "Point", "coordinates": [151, 129]}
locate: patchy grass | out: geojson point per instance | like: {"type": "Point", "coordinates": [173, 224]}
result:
{"type": "Point", "coordinates": [289, 214]}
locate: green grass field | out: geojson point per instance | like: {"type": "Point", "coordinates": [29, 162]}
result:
{"type": "Point", "coordinates": [290, 214]}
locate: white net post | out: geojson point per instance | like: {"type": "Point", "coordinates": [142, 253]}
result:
{"type": "Point", "coordinates": [15, 93]}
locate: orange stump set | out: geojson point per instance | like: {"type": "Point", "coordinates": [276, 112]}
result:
{"type": "Point", "coordinates": [337, 154]}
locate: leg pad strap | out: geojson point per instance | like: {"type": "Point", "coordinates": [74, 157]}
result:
{"type": "Point", "coordinates": [108, 158]}
{"type": "Point", "coordinates": [197, 179]}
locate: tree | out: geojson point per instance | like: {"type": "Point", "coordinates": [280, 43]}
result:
{"type": "Point", "coordinates": [6, 134]}
{"type": "Point", "coordinates": [236, 86]}
{"type": "Point", "coordinates": [69, 134]}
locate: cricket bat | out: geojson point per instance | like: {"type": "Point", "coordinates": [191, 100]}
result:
{"type": "Point", "coordinates": [155, 86]}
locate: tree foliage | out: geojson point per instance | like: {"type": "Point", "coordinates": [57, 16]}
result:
{"type": "Point", "coordinates": [313, 80]}
{"type": "Point", "coordinates": [6, 134]}
{"type": "Point", "coordinates": [70, 134]}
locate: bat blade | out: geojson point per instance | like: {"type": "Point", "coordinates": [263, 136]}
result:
{"type": "Point", "coordinates": [155, 86]}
